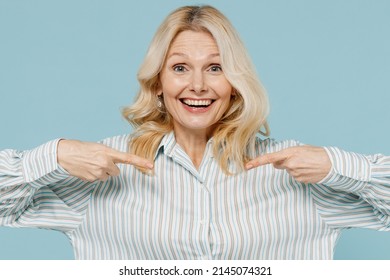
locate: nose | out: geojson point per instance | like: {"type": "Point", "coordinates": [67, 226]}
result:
{"type": "Point", "coordinates": [197, 83]}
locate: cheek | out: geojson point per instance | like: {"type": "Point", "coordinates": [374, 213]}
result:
{"type": "Point", "coordinates": [226, 93]}
{"type": "Point", "coordinates": [221, 86]}
{"type": "Point", "coordinates": [172, 84]}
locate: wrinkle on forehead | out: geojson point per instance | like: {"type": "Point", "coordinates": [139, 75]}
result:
{"type": "Point", "coordinates": [192, 43]}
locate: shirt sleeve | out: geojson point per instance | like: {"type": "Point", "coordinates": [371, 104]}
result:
{"type": "Point", "coordinates": [35, 191]}
{"type": "Point", "coordinates": [356, 192]}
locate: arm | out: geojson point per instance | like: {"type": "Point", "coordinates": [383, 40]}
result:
{"type": "Point", "coordinates": [349, 189]}
{"type": "Point", "coordinates": [50, 189]}
{"type": "Point", "coordinates": [24, 180]}
{"type": "Point", "coordinates": [356, 192]}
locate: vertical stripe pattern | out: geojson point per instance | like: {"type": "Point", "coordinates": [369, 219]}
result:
{"type": "Point", "coordinates": [180, 212]}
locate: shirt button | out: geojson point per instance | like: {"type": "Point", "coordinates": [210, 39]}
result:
{"type": "Point", "coordinates": [202, 222]}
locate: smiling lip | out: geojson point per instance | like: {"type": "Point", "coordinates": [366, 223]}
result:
{"type": "Point", "coordinates": [197, 105]}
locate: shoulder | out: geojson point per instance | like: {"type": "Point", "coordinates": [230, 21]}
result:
{"type": "Point", "coordinates": [119, 142]}
{"type": "Point", "coordinates": [270, 145]}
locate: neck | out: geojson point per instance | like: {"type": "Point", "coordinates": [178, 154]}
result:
{"type": "Point", "coordinates": [193, 143]}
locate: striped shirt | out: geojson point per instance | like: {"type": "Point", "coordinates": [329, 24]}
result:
{"type": "Point", "coordinates": [181, 212]}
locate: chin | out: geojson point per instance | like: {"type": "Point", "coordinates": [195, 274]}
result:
{"type": "Point", "coordinates": [196, 126]}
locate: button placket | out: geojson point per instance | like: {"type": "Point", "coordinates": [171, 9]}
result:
{"type": "Point", "coordinates": [205, 221]}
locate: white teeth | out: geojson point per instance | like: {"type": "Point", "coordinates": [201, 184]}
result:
{"type": "Point", "coordinates": [193, 102]}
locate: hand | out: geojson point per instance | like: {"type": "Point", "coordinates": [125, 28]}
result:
{"type": "Point", "coordinates": [93, 161]}
{"type": "Point", "coordinates": [307, 164]}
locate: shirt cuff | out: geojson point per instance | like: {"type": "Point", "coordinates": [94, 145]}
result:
{"type": "Point", "coordinates": [350, 172]}
{"type": "Point", "coordinates": [40, 167]}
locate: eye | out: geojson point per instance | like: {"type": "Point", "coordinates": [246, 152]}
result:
{"type": "Point", "coordinates": [215, 68]}
{"type": "Point", "coordinates": [179, 68]}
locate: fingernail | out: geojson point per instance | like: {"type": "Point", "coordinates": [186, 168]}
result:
{"type": "Point", "coordinates": [249, 166]}
{"type": "Point", "coordinates": [149, 165]}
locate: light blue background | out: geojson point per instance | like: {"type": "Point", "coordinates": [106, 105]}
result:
{"type": "Point", "coordinates": [67, 67]}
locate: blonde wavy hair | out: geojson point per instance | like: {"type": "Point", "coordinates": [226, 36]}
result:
{"type": "Point", "coordinates": [234, 136]}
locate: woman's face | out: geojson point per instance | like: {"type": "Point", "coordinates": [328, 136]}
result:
{"type": "Point", "coordinates": [195, 90]}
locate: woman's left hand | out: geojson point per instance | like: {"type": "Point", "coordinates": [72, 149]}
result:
{"type": "Point", "coordinates": [307, 164]}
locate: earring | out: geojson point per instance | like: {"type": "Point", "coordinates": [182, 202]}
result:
{"type": "Point", "coordinates": [159, 102]}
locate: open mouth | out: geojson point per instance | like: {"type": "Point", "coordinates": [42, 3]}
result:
{"type": "Point", "coordinates": [203, 103]}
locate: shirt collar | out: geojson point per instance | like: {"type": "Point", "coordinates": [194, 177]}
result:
{"type": "Point", "coordinates": [168, 143]}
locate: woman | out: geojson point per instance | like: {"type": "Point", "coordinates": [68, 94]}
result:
{"type": "Point", "coordinates": [194, 181]}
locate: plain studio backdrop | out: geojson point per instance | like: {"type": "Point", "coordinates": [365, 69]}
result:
{"type": "Point", "coordinates": [67, 68]}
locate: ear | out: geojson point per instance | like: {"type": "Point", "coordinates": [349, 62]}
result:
{"type": "Point", "coordinates": [159, 91]}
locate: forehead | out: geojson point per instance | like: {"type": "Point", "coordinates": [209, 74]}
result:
{"type": "Point", "coordinates": [193, 41]}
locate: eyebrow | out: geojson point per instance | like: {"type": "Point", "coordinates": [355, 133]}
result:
{"type": "Point", "coordinates": [186, 56]}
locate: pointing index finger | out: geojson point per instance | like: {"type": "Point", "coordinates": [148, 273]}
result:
{"type": "Point", "coordinates": [266, 159]}
{"type": "Point", "coordinates": [126, 158]}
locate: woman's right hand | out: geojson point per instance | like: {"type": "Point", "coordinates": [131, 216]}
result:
{"type": "Point", "coordinates": [92, 161]}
